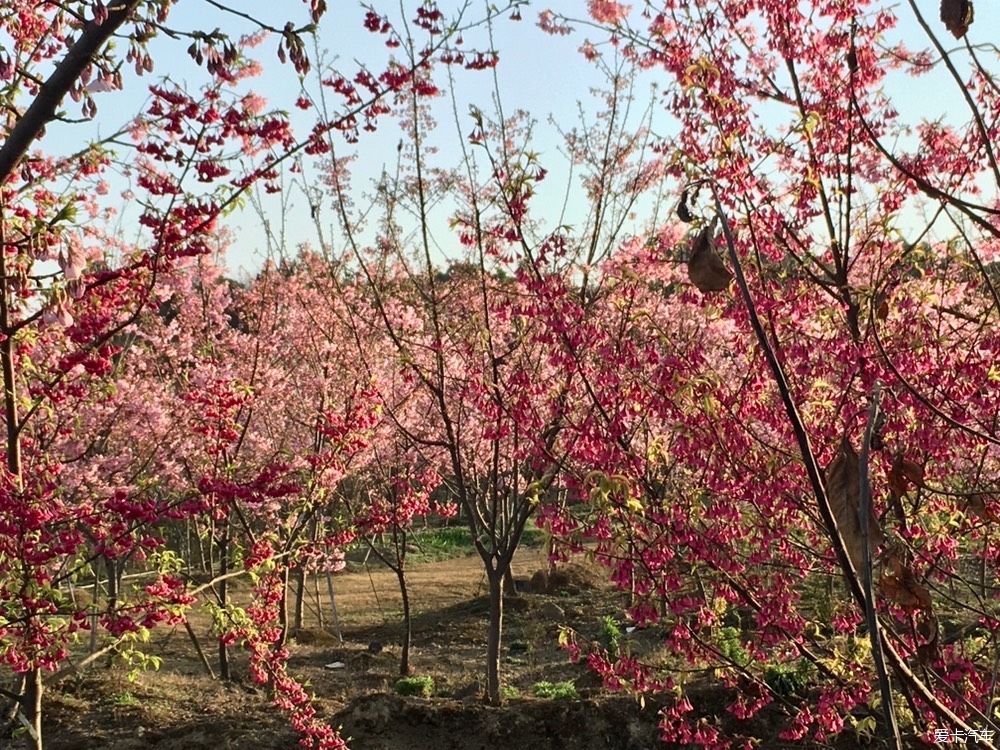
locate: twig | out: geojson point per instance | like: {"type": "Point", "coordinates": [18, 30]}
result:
{"type": "Point", "coordinates": [197, 647]}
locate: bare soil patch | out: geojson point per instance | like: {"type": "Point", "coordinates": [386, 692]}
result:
{"type": "Point", "coordinates": [179, 706]}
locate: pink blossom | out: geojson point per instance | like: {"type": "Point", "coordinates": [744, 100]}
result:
{"type": "Point", "coordinates": [608, 11]}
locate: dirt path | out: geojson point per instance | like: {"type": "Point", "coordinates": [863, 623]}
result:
{"type": "Point", "coordinates": [365, 598]}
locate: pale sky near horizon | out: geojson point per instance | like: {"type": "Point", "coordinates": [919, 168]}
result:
{"type": "Point", "coordinates": [539, 73]}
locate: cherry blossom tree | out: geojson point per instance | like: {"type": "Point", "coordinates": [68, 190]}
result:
{"type": "Point", "coordinates": [837, 382]}
{"type": "Point", "coordinates": [73, 295]}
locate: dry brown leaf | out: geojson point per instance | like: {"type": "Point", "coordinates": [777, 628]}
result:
{"type": "Point", "coordinates": [912, 471]}
{"type": "Point", "coordinates": [683, 212]}
{"type": "Point", "coordinates": [957, 16]}
{"type": "Point", "coordinates": [977, 506]}
{"type": "Point", "coordinates": [903, 474]}
{"type": "Point", "coordinates": [927, 628]}
{"type": "Point", "coordinates": [843, 476]}
{"type": "Point", "coordinates": [905, 590]}
{"type": "Point", "coordinates": [893, 564]}
{"type": "Point", "coordinates": [705, 268]}
{"type": "Point", "coordinates": [882, 311]}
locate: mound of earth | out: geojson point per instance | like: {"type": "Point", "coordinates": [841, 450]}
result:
{"type": "Point", "coordinates": [570, 578]}
{"type": "Point", "coordinates": [391, 722]}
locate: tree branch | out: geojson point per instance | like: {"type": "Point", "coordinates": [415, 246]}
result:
{"type": "Point", "coordinates": [43, 108]}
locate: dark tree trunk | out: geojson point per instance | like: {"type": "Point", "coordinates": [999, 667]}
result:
{"type": "Point", "coordinates": [510, 586]}
{"type": "Point", "coordinates": [404, 659]}
{"type": "Point", "coordinates": [114, 582]}
{"type": "Point", "coordinates": [111, 567]}
{"type": "Point", "coordinates": [300, 597]}
{"type": "Point", "coordinates": [224, 671]}
{"type": "Point", "coordinates": [32, 697]}
{"type": "Point", "coordinates": [493, 636]}
{"type": "Point", "coordinates": [283, 611]}
{"type": "Point", "coordinates": [33, 704]}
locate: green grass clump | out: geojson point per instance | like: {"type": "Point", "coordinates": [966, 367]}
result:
{"type": "Point", "coordinates": [731, 646]}
{"type": "Point", "coordinates": [509, 692]}
{"type": "Point", "coordinates": [555, 690]}
{"type": "Point", "coordinates": [788, 679]}
{"type": "Point", "coordinates": [125, 699]}
{"type": "Point", "coordinates": [611, 633]}
{"type": "Point", "coordinates": [422, 686]}
{"type": "Point", "coordinates": [442, 543]}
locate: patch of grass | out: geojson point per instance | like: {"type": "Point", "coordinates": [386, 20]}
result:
{"type": "Point", "coordinates": [445, 538]}
{"type": "Point", "coordinates": [533, 537]}
{"type": "Point", "coordinates": [555, 690]}
{"type": "Point", "coordinates": [443, 543]}
{"type": "Point", "coordinates": [438, 544]}
{"type": "Point", "coordinates": [509, 692]}
{"type": "Point", "coordinates": [125, 699]}
{"type": "Point", "coordinates": [421, 686]}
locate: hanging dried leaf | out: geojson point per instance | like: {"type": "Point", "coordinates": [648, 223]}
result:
{"type": "Point", "coordinates": [897, 483]}
{"type": "Point", "coordinates": [904, 474]}
{"type": "Point", "coordinates": [894, 564]}
{"type": "Point", "coordinates": [913, 471]}
{"type": "Point", "coordinates": [843, 477]}
{"type": "Point", "coordinates": [705, 268]}
{"type": "Point", "coordinates": [683, 212]}
{"type": "Point", "coordinates": [900, 585]}
{"type": "Point", "coordinates": [976, 505]}
{"type": "Point", "coordinates": [882, 311]}
{"type": "Point", "coordinates": [957, 16]}
{"type": "Point", "coordinates": [928, 650]}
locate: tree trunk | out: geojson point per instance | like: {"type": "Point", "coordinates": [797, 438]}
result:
{"type": "Point", "coordinates": [211, 547]}
{"type": "Point", "coordinates": [550, 562]}
{"type": "Point", "coordinates": [224, 672]}
{"type": "Point", "coordinates": [404, 659]}
{"type": "Point", "coordinates": [114, 581]}
{"type": "Point", "coordinates": [493, 636]}
{"type": "Point", "coordinates": [319, 602]}
{"type": "Point", "coordinates": [33, 705]}
{"type": "Point", "coordinates": [631, 574]}
{"type": "Point", "coordinates": [197, 647]}
{"type": "Point", "coordinates": [283, 610]}
{"type": "Point", "coordinates": [508, 581]}
{"type": "Point", "coordinates": [300, 597]}
{"type": "Point", "coordinates": [333, 606]}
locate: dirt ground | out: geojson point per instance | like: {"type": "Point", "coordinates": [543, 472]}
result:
{"type": "Point", "coordinates": [179, 707]}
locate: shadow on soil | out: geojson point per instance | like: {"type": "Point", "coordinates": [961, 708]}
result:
{"type": "Point", "coordinates": [390, 722]}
